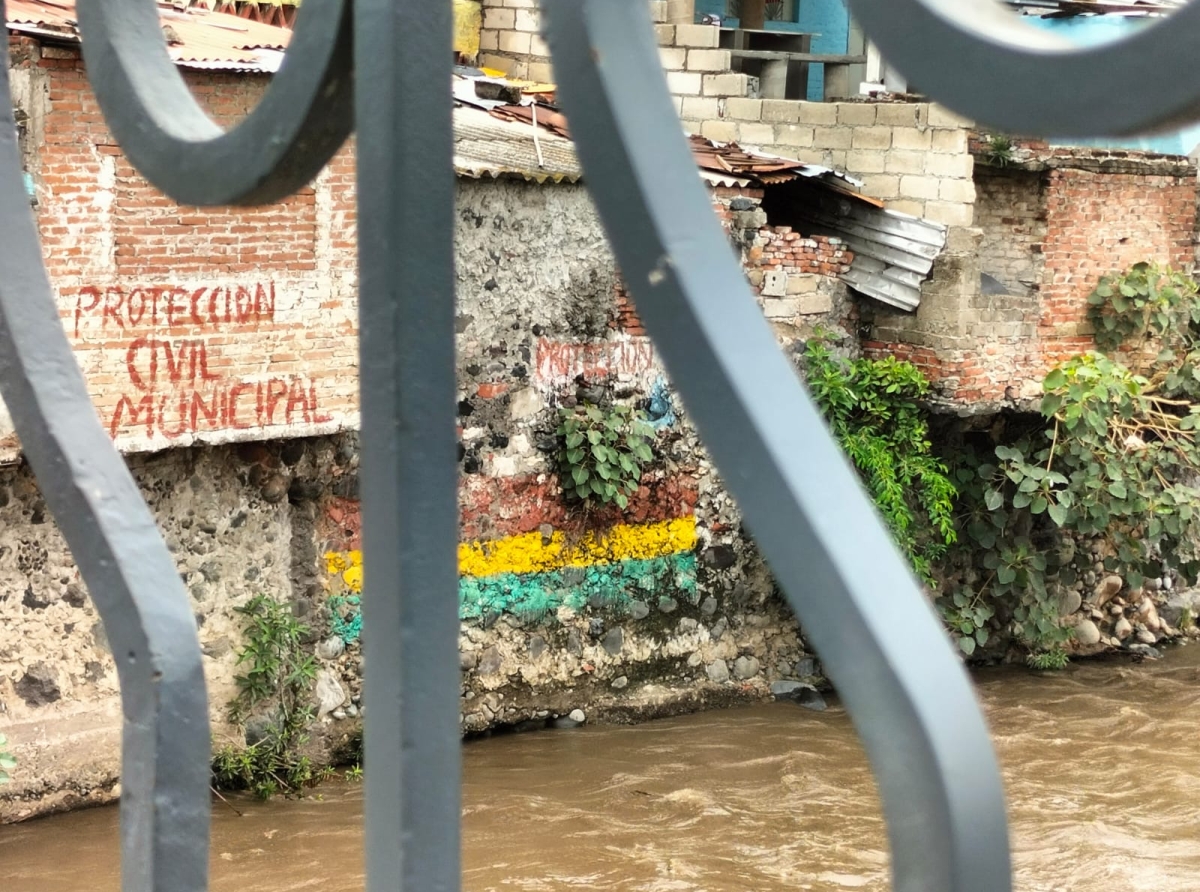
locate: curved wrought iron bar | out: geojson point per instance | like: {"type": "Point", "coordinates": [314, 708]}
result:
{"type": "Point", "coordinates": [980, 60]}
{"type": "Point", "coordinates": [301, 122]}
{"type": "Point", "coordinates": [131, 578]}
{"type": "Point", "coordinates": [877, 635]}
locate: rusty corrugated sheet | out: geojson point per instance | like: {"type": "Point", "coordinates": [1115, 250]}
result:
{"type": "Point", "coordinates": [200, 39]}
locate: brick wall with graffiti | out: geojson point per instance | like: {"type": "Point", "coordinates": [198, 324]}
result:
{"type": "Point", "coordinates": [193, 325]}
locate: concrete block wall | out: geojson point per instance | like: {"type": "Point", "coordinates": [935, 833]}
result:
{"type": "Point", "coordinates": [912, 155]}
{"type": "Point", "coordinates": [1048, 229]}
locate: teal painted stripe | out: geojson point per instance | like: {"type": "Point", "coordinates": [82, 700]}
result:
{"type": "Point", "coordinates": [615, 585]}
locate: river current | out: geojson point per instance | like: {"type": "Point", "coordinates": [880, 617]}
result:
{"type": "Point", "coordinates": [1101, 766]}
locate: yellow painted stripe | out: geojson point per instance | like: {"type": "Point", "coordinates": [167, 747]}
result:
{"type": "Point", "coordinates": [528, 554]}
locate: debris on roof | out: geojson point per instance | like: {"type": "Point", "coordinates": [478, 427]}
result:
{"type": "Point", "coordinates": [197, 38]}
{"type": "Point", "coordinates": [488, 146]}
{"type": "Point", "coordinates": [893, 252]}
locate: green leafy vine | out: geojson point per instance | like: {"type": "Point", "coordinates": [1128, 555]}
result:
{"type": "Point", "coordinates": [873, 408]}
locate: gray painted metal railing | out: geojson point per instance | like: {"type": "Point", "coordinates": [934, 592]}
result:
{"type": "Point", "coordinates": [381, 67]}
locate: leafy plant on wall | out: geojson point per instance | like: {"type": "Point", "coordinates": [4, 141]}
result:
{"type": "Point", "coordinates": [873, 408]}
{"type": "Point", "coordinates": [1113, 461]}
{"type": "Point", "coordinates": [7, 761]}
{"type": "Point", "coordinates": [275, 683]}
{"type": "Point", "coordinates": [602, 452]}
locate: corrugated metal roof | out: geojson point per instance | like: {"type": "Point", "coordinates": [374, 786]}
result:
{"type": "Point", "coordinates": [200, 39]}
{"type": "Point", "coordinates": [893, 252]}
{"type": "Point", "coordinates": [489, 146]}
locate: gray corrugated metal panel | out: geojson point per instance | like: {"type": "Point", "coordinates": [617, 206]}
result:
{"type": "Point", "coordinates": [882, 220]}
{"type": "Point", "coordinates": [891, 293]}
{"type": "Point", "coordinates": [863, 231]}
{"type": "Point", "coordinates": [893, 273]}
{"type": "Point", "coordinates": [487, 146]}
{"type": "Point", "coordinates": [893, 252]}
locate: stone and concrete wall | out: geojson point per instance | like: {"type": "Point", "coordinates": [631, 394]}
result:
{"type": "Point", "coordinates": [659, 608]}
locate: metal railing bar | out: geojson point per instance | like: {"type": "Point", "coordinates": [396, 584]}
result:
{"type": "Point", "coordinates": [878, 637]}
{"type": "Point", "coordinates": [406, 194]}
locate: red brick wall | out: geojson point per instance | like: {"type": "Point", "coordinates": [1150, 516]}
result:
{"type": "Point", "coordinates": [1063, 228]}
{"type": "Point", "coordinates": [194, 324]}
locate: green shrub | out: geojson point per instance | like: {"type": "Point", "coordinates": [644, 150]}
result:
{"type": "Point", "coordinates": [873, 408]}
{"type": "Point", "coordinates": [275, 683]}
{"type": "Point", "coordinates": [602, 453]}
{"type": "Point", "coordinates": [7, 761]}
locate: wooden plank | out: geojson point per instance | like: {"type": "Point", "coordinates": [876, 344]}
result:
{"type": "Point", "coordinates": [779, 56]}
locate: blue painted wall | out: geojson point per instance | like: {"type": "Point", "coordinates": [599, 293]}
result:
{"type": "Point", "coordinates": [1099, 30]}
{"type": "Point", "coordinates": [829, 20]}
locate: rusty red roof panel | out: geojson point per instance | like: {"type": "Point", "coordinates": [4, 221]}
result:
{"type": "Point", "coordinates": [199, 38]}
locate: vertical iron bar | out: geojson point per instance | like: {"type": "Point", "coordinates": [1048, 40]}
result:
{"type": "Point", "coordinates": [407, 377]}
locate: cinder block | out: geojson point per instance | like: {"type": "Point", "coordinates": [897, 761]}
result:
{"type": "Point", "coordinates": [950, 213]}
{"type": "Point", "coordinates": [860, 162]}
{"type": "Point", "coordinates": [801, 283]}
{"type": "Point", "coordinates": [538, 47]}
{"type": "Point", "coordinates": [919, 187]}
{"type": "Point", "coordinates": [499, 19]}
{"type": "Point", "coordinates": [727, 84]}
{"type": "Point", "coordinates": [699, 36]}
{"type": "Point", "coordinates": [720, 131]}
{"type": "Point", "coordinates": [832, 137]}
{"type": "Point", "coordinates": [779, 111]}
{"type": "Point", "coordinates": [489, 40]}
{"type": "Point", "coordinates": [684, 83]}
{"type": "Point", "coordinates": [952, 166]}
{"type": "Point", "coordinates": [786, 308]}
{"type": "Point", "coordinates": [515, 42]}
{"type": "Point", "coordinates": [814, 304]}
{"type": "Point", "coordinates": [856, 114]}
{"type": "Point", "coordinates": [817, 113]}
{"type": "Point", "coordinates": [673, 58]}
{"type": "Point", "coordinates": [658, 10]}
{"type": "Point", "coordinates": [701, 108]}
{"type": "Point", "coordinates": [794, 135]}
{"type": "Point", "coordinates": [907, 206]}
{"type": "Point", "coordinates": [774, 283]}
{"type": "Point", "coordinates": [872, 138]}
{"type": "Point", "coordinates": [708, 60]}
{"type": "Point", "coordinates": [541, 72]}
{"type": "Point", "coordinates": [911, 138]}
{"type": "Point", "coordinates": [882, 185]}
{"type": "Point", "coordinates": [528, 20]}
{"type": "Point", "coordinates": [943, 118]}
{"type": "Point", "coordinates": [743, 109]}
{"type": "Point", "coordinates": [897, 114]}
{"type": "Point", "coordinates": [898, 161]}
{"type": "Point", "coordinates": [957, 190]}
{"type": "Point", "coordinates": [761, 135]}
{"type": "Point", "coordinates": [950, 141]}
{"type": "Point", "coordinates": [665, 34]}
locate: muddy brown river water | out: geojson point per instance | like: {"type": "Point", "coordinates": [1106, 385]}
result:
{"type": "Point", "coordinates": [1101, 765]}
